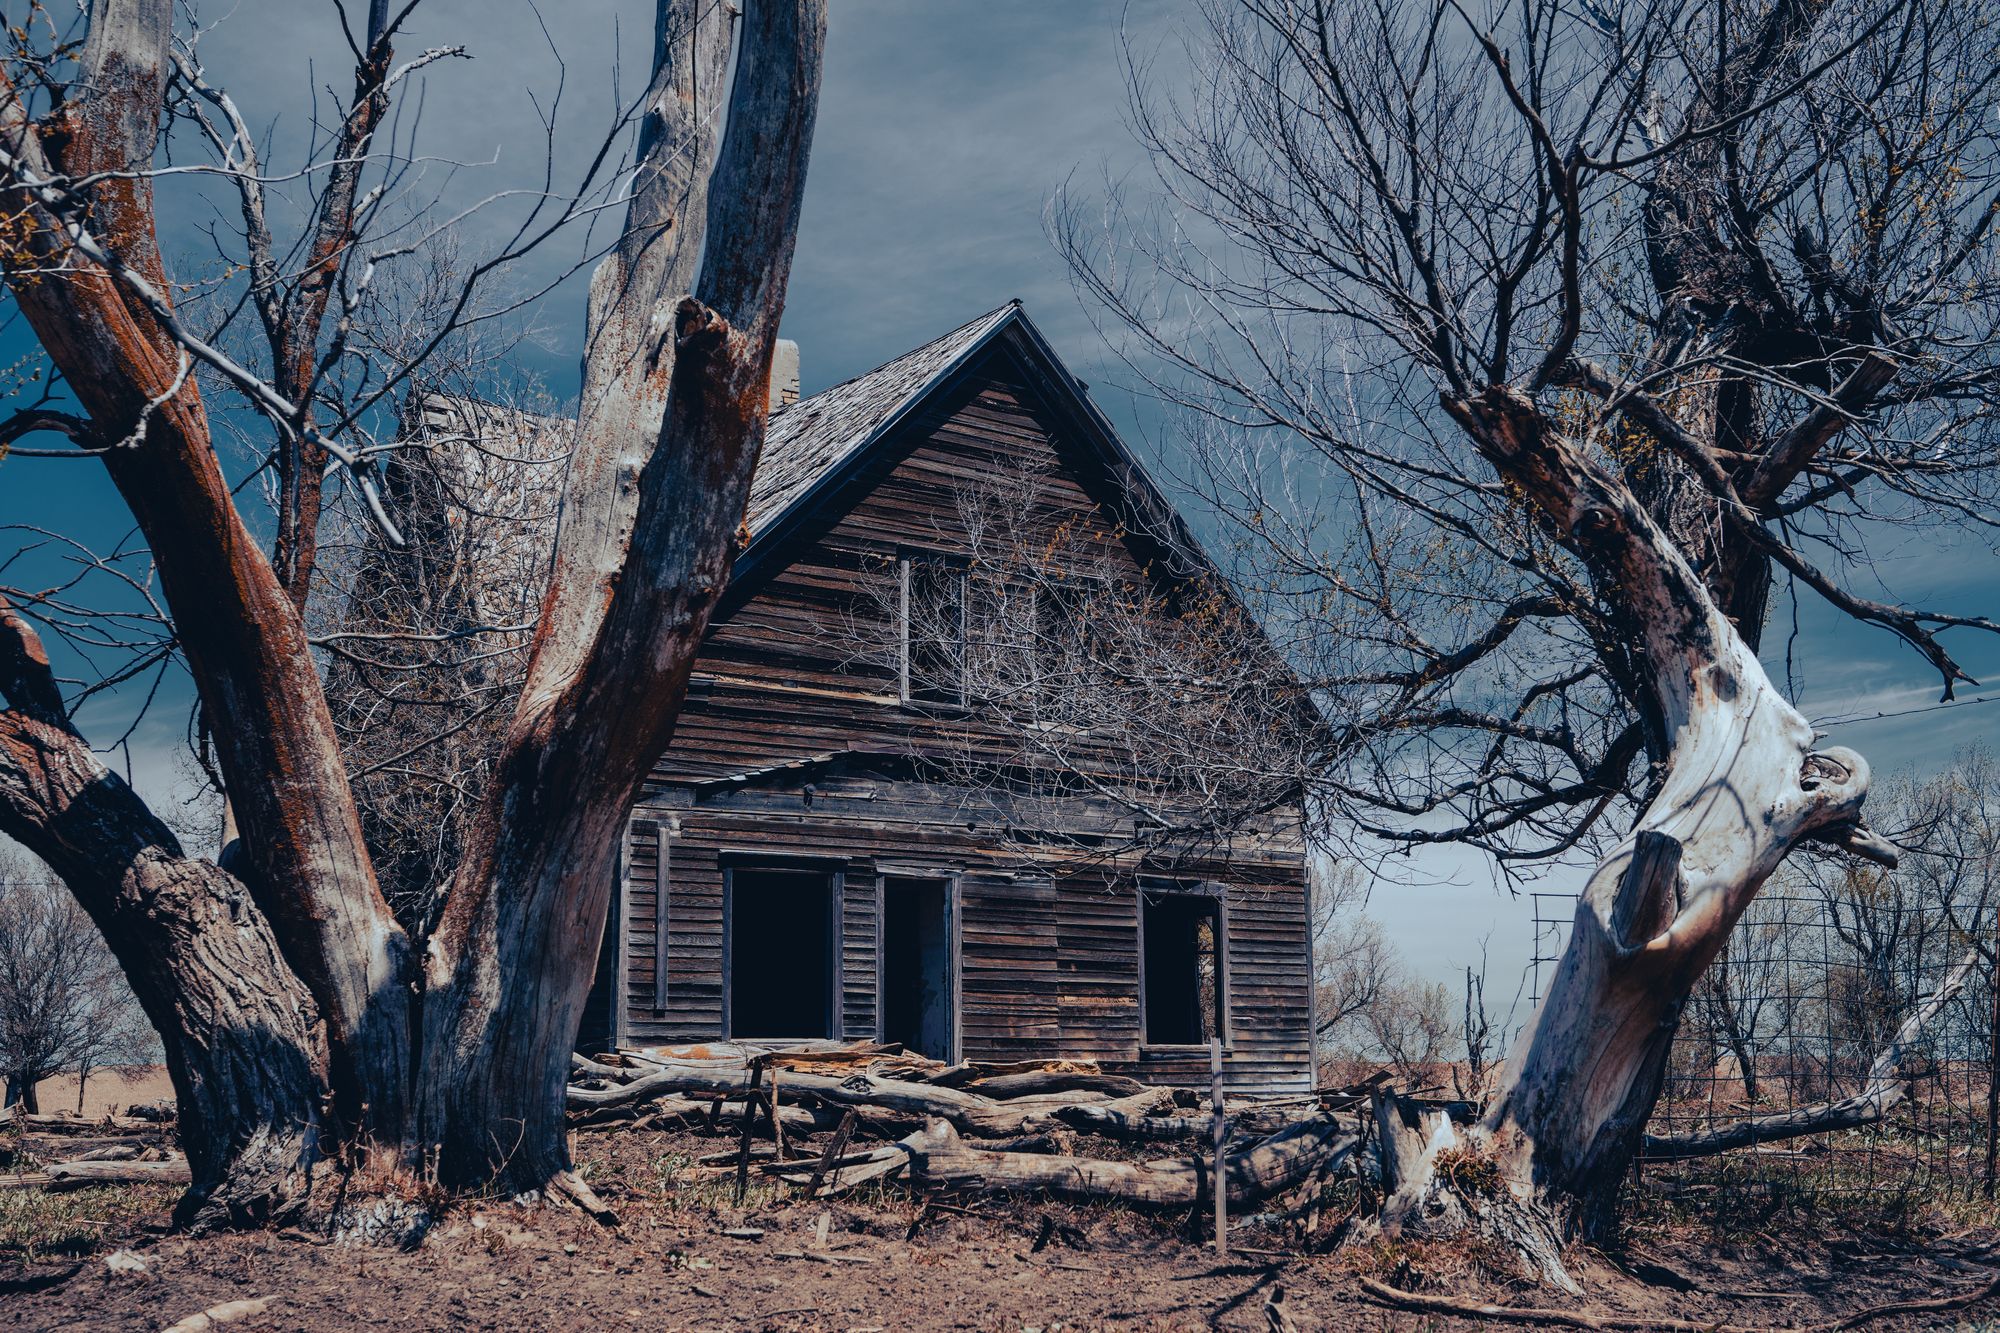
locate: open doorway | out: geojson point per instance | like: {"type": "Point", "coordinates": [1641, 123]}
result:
{"type": "Point", "coordinates": [780, 953]}
{"type": "Point", "coordinates": [917, 1007]}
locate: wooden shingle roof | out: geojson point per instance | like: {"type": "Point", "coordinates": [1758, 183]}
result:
{"type": "Point", "coordinates": [810, 439]}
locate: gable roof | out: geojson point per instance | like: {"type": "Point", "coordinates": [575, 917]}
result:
{"type": "Point", "coordinates": [806, 440]}
{"type": "Point", "coordinates": [815, 449]}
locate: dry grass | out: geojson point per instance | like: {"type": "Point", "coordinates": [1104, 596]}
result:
{"type": "Point", "coordinates": [36, 1224]}
{"type": "Point", "coordinates": [1469, 1171]}
{"type": "Point", "coordinates": [1432, 1265]}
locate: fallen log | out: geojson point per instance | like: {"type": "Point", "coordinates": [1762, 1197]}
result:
{"type": "Point", "coordinates": [75, 1175]}
{"type": "Point", "coordinates": [1005, 1086]}
{"type": "Point", "coordinates": [847, 1172]}
{"type": "Point", "coordinates": [174, 1172]}
{"type": "Point", "coordinates": [585, 1067]}
{"type": "Point", "coordinates": [939, 1160]}
{"type": "Point", "coordinates": [1116, 1124]}
{"type": "Point", "coordinates": [13, 1117]}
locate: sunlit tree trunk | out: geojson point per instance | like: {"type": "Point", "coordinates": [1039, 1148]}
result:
{"type": "Point", "coordinates": [1742, 786]}
{"type": "Point", "coordinates": [283, 985]}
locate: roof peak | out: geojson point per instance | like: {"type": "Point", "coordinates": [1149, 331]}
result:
{"type": "Point", "coordinates": [811, 438]}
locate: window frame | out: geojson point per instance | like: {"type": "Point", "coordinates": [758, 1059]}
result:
{"type": "Point", "coordinates": [1160, 887]}
{"type": "Point", "coordinates": [907, 562]}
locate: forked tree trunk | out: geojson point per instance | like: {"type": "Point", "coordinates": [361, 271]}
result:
{"type": "Point", "coordinates": [288, 989]}
{"type": "Point", "coordinates": [673, 419]}
{"type": "Point", "coordinates": [1742, 787]}
{"type": "Point", "coordinates": [303, 859]}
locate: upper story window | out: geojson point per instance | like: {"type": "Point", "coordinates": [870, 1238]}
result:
{"type": "Point", "coordinates": [1034, 647]}
{"type": "Point", "coordinates": [934, 615]}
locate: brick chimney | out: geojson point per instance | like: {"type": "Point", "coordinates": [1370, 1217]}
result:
{"type": "Point", "coordinates": [784, 374]}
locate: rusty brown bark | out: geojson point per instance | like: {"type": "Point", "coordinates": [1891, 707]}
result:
{"type": "Point", "coordinates": [290, 979]}
{"type": "Point", "coordinates": [293, 320]}
{"type": "Point", "coordinates": [303, 859]}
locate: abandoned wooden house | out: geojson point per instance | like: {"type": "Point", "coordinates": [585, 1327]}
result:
{"type": "Point", "coordinates": [807, 860]}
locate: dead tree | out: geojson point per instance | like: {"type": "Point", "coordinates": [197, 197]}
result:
{"type": "Point", "coordinates": [64, 1005]}
{"type": "Point", "coordinates": [1556, 338]}
{"type": "Point", "coordinates": [1157, 690]}
{"type": "Point", "coordinates": [298, 1015]}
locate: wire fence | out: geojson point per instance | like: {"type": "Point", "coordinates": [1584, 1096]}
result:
{"type": "Point", "coordinates": [1808, 992]}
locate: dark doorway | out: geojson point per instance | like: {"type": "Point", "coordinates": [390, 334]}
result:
{"type": "Point", "coordinates": [780, 953]}
{"type": "Point", "coordinates": [1181, 985]}
{"type": "Point", "coordinates": [916, 965]}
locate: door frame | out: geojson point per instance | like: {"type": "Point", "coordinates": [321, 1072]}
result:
{"type": "Point", "coordinates": [835, 872]}
{"type": "Point", "coordinates": [951, 880]}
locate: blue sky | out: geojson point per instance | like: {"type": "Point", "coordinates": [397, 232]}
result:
{"type": "Point", "coordinates": [944, 128]}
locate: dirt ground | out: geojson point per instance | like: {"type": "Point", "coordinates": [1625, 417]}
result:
{"type": "Point", "coordinates": [888, 1262]}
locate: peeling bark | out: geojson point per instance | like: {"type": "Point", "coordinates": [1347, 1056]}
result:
{"type": "Point", "coordinates": [304, 862]}
{"type": "Point", "coordinates": [290, 988]}
{"type": "Point", "coordinates": [1741, 787]}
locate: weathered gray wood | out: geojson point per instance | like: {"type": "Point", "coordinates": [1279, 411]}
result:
{"type": "Point", "coordinates": [79, 1173]}
{"type": "Point", "coordinates": [1003, 1086]}
{"type": "Point", "coordinates": [938, 1160]}
{"type": "Point", "coordinates": [979, 1116]}
{"type": "Point", "coordinates": [1221, 1144]}
{"type": "Point", "coordinates": [789, 743]}
{"type": "Point", "coordinates": [662, 915]}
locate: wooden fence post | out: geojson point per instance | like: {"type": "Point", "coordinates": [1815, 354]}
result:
{"type": "Point", "coordinates": [1221, 1141]}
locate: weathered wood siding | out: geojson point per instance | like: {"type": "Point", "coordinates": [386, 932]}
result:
{"type": "Point", "coordinates": [789, 747]}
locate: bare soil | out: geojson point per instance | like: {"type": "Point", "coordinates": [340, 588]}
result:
{"type": "Point", "coordinates": [889, 1262]}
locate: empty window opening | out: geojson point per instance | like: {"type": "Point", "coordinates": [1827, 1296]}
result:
{"type": "Point", "coordinates": [1181, 986]}
{"type": "Point", "coordinates": [916, 965]}
{"type": "Point", "coordinates": [780, 953]}
{"type": "Point", "coordinates": [934, 616]}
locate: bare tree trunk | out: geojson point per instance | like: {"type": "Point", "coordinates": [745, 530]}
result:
{"type": "Point", "coordinates": [673, 420]}
{"type": "Point", "coordinates": [273, 989]}
{"type": "Point", "coordinates": [242, 1036]}
{"type": "Point", "coordinates": [1741, 788]}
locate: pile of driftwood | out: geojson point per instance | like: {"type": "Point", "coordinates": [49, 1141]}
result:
{"type": "Point", "coordinates": [977, 1128]}
{"type": "Point", "coordinates": [110, 1150]}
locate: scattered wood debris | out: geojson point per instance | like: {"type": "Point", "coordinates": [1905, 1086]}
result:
{"type": "Point", "coordinates": [966, 1128]}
